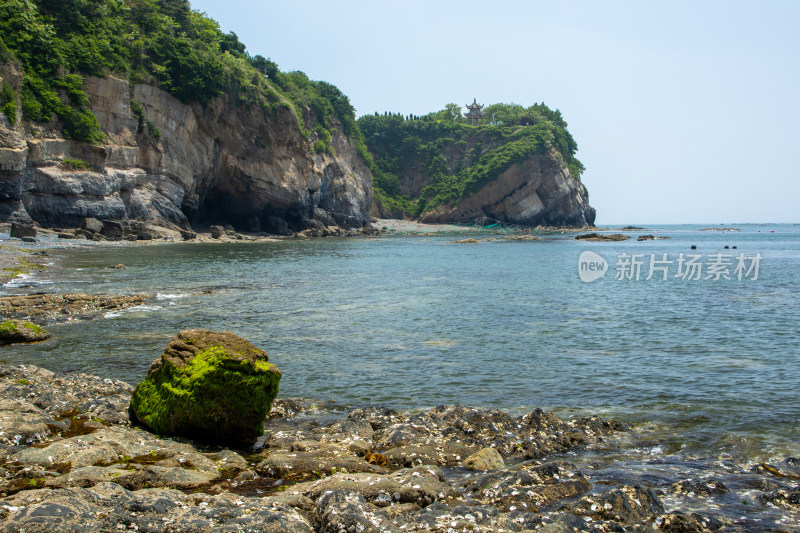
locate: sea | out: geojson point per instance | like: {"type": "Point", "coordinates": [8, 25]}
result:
{"type": "Point", "coordinates": [692, 337]}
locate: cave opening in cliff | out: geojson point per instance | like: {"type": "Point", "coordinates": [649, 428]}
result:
{"type": "Point", "coordinates": [219, 207]}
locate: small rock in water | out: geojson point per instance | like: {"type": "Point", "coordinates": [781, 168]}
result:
{"type": "Point", "coordinates": [208, 386]}
{"type": "Point", "coordinates": [13, 331]}
{"type": "Point", "coordinates": [600, 237]}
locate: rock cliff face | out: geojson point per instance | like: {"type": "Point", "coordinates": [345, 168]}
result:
{"type": "Point", "coordinates": [539, 191]}
{"type": "Point", "coordinates": [223, 162]}
{"type": "Point", "coordinates": [449, 172]}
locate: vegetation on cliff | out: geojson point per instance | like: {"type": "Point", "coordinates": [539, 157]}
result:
{"type": "Point", "coordinates": [163, 42]}
{"type": "Point", "coordinates": [423, 162]}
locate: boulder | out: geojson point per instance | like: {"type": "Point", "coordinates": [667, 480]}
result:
{"type": "Point", "coordinates": [19, 230]}
{"type": "Point", "coordinates": [92, 225]}
{"type": "Point", "coordinates": [113, 230]}
{"type": "Point", "coordinates": [208, 386]}
{"type": "Point", "coordinates": [217, 231]}
{"type": "Point", "coordinates": [12, 331]}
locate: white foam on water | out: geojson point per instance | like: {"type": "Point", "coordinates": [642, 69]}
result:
{"type": "Point", "coordinates": [162, 296]}
{"type": "Point", "coordinates": [138, 308]}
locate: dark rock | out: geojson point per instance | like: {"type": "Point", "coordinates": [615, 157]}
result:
{"type": "Point", "coordinates": [28, 239]}
{"type": "Point", "coordinates": [340, 511]}
{"type": "Point", "coordinates": [300, 465]}
{"type": "Point", "coordinates": [113, 230]}
{"type": "Point", "coordinates": [699, 487]}
{"type": "Point", "coordinates": [421, 485]}
{"type": "Point", "coordinates": [66, 235]}
{"type": "Point", "coordinates": [19, 230]}
{"type": "Point", "coordinates": [692, 523]}
{"type": "Point", "coordinates": [14, 331]}
{"type": "Point", "coordinates": [188, 235]}
{"type": "Point", "coordinates": [208, 386]}
{"type": "Point", "coordinates": [217, 232]}
{"type": "Point", "coordinates": [601, 237]}
{"type": "Point", "coordinates": [786, 497]}
{"type": "Point", "coordinates": [528, 488]}
{"type": "Point", "coordinates": [646, 238]}
{"type": "Point", "coordinates": [628, 504]}
{"type": "Point", "coordinates": [566, 523]}
{"type": "Point", "coordinates": [413, 455]}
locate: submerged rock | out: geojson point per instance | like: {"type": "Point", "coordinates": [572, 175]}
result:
{"type": "Point", "coordinates": [12, 331]}
{"type": "Point", "coordinates": [208, 386]}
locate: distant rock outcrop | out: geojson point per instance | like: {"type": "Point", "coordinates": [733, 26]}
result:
{"type": "Point", "coordinates": [539, 191]}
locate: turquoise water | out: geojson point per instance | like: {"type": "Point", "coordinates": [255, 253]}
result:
{"type": "Point", "coordinates": [416, 321]}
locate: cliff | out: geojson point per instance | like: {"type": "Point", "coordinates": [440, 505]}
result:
{"type": "Point", "coordinates": [441, 170]}
{"type": "Point", "coordinates": [218, 162]}
{"type": "Point", "coordinates": [537, 191]}
{"type": "Point", "coordinates": [146, 112]}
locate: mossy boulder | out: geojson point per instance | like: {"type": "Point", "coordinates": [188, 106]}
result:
{"type": "Point", "coordinates": [208, 386]}
{"type": "Point", "coordinates": [12, 331]}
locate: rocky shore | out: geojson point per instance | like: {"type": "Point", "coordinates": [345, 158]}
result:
{"type": "Point", "coordinates": [70, 460]}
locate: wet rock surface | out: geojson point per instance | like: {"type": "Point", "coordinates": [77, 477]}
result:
{"type": "Point", "coordinates": [63, 307]}
{"type": "Point", "coordinates": [71, 460]}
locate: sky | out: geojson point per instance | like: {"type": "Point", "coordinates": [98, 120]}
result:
{"type": "Point", "coordinates": [684, 111]}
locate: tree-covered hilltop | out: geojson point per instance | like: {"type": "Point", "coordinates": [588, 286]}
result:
{"type": "Point", "coordinates": [424, 162]}
{"type": "Point", "coordinates": [163, 42]}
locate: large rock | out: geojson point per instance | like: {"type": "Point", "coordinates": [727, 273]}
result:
{"type": "Point", "coordinates": [19, 230]}
{"type": "Point", "coordinates": [12, 331]}
{"type": "Point", "coordinates": [538, 191]}
{"type": "Point", "coordinates": [208, 386]}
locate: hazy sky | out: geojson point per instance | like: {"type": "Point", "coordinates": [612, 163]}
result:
{"type": "Point", "coordinates": [683, 111]}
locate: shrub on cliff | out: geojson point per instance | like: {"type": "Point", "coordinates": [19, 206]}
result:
{"type": "Point", "coordinates": [208, 386]}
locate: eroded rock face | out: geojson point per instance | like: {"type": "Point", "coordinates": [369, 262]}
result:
{"type": "Point", "coordinates": [208, 386]}
{"type": "Point", "coordinates": [539, 191]}
{"type": "Point", "coordinates": [222, 162]}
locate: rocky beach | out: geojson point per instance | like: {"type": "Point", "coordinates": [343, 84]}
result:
{"type": "Point", "coordinates": [72, 460]}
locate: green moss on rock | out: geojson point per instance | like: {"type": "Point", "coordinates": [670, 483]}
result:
{"type": "Point", "coordinates": [208, 386]}
{"type": "Point", "coordinates": [13, 331]}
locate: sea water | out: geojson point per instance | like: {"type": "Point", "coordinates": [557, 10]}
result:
{"type": "Point", "coordinates": [708, 364]}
